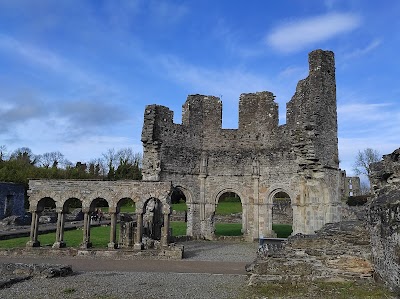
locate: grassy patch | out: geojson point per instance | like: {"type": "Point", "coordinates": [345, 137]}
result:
{"type": "Point", "coordinates": [99, 236]}
{"type": "Point", "coordinates": [69, 290]}
{"type": "Point", "coordinates": [228, 229]}
{"type": "Point", "coordinates": [227, 208]}
{"type": "Point", "coordinates": [282, 230]}
{"type": "Point", "coordinates": [178, 228]}
{"type": "Point", "coordinates": [180, 207]}
{"type": "Point", "coordinates": [327, 290]}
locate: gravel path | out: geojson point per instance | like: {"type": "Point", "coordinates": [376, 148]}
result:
{"type": "Point", "coordinates": [165, 284]}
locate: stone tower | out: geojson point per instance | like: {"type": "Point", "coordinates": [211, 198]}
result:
{"type": "Point", "coordinates": [256, 161]}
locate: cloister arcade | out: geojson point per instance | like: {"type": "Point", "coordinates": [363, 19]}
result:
{"type": "Point", "coordinates": [143, 195]}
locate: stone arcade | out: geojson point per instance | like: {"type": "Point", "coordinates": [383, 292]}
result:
{"type": "Point", "coordinates": [203, 161]}
{"type": "Point", "coordinates": [89, 192]}
{"type": "Point", "coordinates": [255, 161]}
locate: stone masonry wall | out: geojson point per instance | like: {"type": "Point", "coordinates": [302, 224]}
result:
{"type": "Point", "coordinates": [11, 200]}
{"type": "Point", "coordinates": [257, 160]}
{"type": "Point", "coordinates": [384, 218]}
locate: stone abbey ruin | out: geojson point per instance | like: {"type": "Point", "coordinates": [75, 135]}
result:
{"type": "Point", "coordinates": [202, 161]}
{"type": "Point", "coordinates": [256, 161]}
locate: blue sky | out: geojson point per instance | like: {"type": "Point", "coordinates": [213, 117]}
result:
{"type": "Point", "coordinates": [75, 76]}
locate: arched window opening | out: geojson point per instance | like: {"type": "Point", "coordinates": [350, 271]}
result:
{"type": "Point", "coordinates": [282, 215]}
{"type": "Point", "coordinates": [228, 215]}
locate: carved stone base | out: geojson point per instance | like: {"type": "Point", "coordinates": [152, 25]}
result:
{"type": "Point", "coordinates": [138, 246]}
{"type": "Point", "coordinates": [33, 244]}
{"type": "Point", "coordinates": [59, 245]}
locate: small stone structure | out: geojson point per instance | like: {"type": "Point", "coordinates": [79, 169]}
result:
{"type": "Point", "coordinates": [384, 218]}
{"type": "Point", "coordinates": [11, 200]}
{"type": "Point", "coordinates": [143, 194]}
{"type": "Point", "coordinates": [350, 185]}
{"type": "Point", "coordinates": [256, 161]}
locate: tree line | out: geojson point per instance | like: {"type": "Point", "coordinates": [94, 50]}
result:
{"type": "Point", "coordinates": [22, 164]}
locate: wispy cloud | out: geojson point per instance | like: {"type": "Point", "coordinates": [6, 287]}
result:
{"type": "Point", "coordinates": [229, 83]}
{"type": "Point", "coordinates": [296, 35]}
{"type": "Point", "coordinates": [362, 51]}
{"type": "Point", "coordinates": [364, 112]}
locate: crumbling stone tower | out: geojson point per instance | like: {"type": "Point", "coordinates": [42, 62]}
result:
{"type": "Point", "coordinates": [257, 160]}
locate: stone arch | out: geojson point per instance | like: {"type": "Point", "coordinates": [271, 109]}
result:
{"type": "Point", "coordinates": [268, 207]}
{"type": "Point", "coordinates": [191, 208]}
{"type": "Point", "coordinates": [215, 199]}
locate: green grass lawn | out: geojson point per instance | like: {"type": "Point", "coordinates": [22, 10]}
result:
{"type": "Point", "coordinates": [100, 236]}
{"type": "Point", "coordinates": [227, 208]}
{"type": "Point", "coordinates": [282, 230]}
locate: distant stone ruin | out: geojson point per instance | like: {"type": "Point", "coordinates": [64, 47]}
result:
{"type": "Point", "coordinates": [11, 200]}
{"type": "Point", "coordinates": [256, 161]}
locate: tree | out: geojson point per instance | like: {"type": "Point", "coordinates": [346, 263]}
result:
{"type": "Point", "coordinates": [364, 159]}
{"type": "Point", "coordinates": [25, 155]}
{"type": "Point", "coordinates": [52, 159]}
{"type": "Point", "coordinates": [3, 152]}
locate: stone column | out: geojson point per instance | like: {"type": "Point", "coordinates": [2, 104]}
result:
{"type": "Point", "coordinates": [268, 232]}
{"type": "Point", "coordinates": [256, 233]}
{"type": "Point", "coordinates": [59, 243]}
{"type": "Point", "coordinates": [33, 242]}
{"type": "Point", "coordinates": [165, 232]}
{"type": "Point", "coordinates": [86, 229]}
{"type": "Point", "coordinates": [138, 242]}
{"type": "Point", "coordinates": [113, 231]}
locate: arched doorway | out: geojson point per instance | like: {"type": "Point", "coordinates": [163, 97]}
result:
{"type": "Point", "coordinates": [153, 220]}
{"type": "Point", "coordinates": [47, 215]}
{"type": "Point", "coordinates": [179, 217]}
{"type": "Point", "coordinates": [228, 215]}
{"type": "Point", "coordinates": [99, 223]}
{"type": "Point", "coordinates": [282, 214]}
{"type": "Point", "coordinates": [71, 213]}
{"type": "Point", "coordinates": [127, 220]}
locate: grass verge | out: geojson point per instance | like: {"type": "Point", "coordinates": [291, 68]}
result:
{"type": "Point", "coordinates": [326, 290]}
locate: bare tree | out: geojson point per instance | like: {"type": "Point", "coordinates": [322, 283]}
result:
{"type": "Point", "coordinates": [25, 154]}
{"type": "Point", "coordinates": [52, 159]}
{"type": "Point", "coordinates": [3, 152]}
{"type": "Point", "coordinates": [363, 162]}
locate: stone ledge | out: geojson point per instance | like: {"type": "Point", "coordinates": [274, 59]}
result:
{"type": "Point", "coordinates": [171, 252]}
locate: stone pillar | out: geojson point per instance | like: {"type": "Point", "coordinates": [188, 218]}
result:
{"type": "Point", "coordinates": [33, 242]}
{"type": "Point", "coordinates": [268, 232]}
{"type": "Point", "coordinates": [256, 233]}
{"type": "Point", "coordinates": [165, 232]}
{"type": "Point", "coordinates": [139, 225]}
{"type": "Point", "coordinates": [59, 243]}
{"type": "Point", "coordinates": [86, 229]}
{"type": "Point", "coordinates": [113, 231]}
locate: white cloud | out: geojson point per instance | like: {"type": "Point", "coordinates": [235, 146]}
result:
{"type": "Point", "coordinates": [362, 51]}
{"type": "Point", "coordinates": [299, 34]}
{"type": "Point", "coordinates": [363, 111]}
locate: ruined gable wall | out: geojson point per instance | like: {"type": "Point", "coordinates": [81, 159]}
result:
{"type": "Point", "coordinates": [300, 157]}
{"type": "Point", "coordinates": [384, 218]}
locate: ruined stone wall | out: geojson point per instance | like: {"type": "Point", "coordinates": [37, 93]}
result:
{"type": "Point", "coordinates": [11, 200]}
{"type": "Point", "coordinates": [384, 218]}
{"type": "Point", "coordinates": [255, 161]}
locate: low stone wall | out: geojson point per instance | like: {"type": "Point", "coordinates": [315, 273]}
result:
{"type": "Point", "coordinates": [384, 219]}
{"type": "Point", "coordinates": [338, 252]}
{"type": "Point", "coordinates": [173, 252]}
